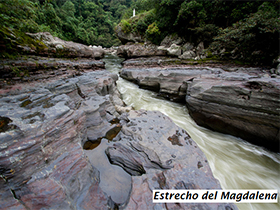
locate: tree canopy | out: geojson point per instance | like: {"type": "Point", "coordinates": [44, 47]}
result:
{"type": "Point", "coordinates": [248, 28]}
{"type": "Point", "coordinates": [89, 22]}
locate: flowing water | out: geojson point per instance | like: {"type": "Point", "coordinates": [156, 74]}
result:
{"type": "Point", "coordinates": [235, 163]}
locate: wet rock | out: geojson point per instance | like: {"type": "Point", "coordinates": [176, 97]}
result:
{"type": "Point", "coordinates": [243, 102]}
{"type": "Point", "coordinates": [247, 108]}
{"type": "Point", "coordinates": [72, 149]}
{"type": "Point", "coordinates": [143, 154]}
{"type": "Point", "coordinates": [171, 83]}
{"type": "Point", "coordinates": [127, 37]}
{"type": "Point", "coordinates": [43, 164]}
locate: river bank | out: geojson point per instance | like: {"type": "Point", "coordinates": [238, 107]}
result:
{"type": "Point", "coordinates": [237, 100]}
{"type": "Point", "coordinates": [54, 129]}
{"type": "Point", "coordinates": [237, 164]}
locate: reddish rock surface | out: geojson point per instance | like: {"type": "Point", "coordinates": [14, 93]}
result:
{"type": "Point", "coordinates": [35, 68]}
{"type": "Point", "coordinates": [71, 144]}
{"type": "Point", "coordinates": [43, 164]}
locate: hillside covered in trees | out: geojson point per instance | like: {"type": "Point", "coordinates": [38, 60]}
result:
{"type": "Point", "coordinates": [249, 28]}
{"type": "Point", "coordinates": [89, 22]}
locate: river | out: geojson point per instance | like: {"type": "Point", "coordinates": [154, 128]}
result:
{"type": "Point", "coordinates": [237, 164]}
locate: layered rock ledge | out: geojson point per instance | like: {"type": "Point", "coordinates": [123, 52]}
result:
{"type": "Point", "coordinates": [243, 102]}
{"type": "Point", "coordinates": [36, 68]}
{"type": "Point", "coordinates": [72, 144]}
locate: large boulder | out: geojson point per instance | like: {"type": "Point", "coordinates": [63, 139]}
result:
{"type": "Point", "coordinates": [60, 48]}
{"type": "Point", "coordinates": [174, 50]}
{"type": "Point", "coordinates": [171, 39]}
{"type": "Point", "coordinates": [243, 102]}
{"type": "Point", "coordinates": [170, 83]}
{"type": "Point", "coordinates": [239, 105]}
{"type": "Point", "coordinates": [139, 50]}
{"type": "Point", "coordinates": [190, 54]}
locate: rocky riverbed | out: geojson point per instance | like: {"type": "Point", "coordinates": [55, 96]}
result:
{"type": "Point", "coordinates": [240, 101]}
{"type": "Point", "coordinates": [69, 142]}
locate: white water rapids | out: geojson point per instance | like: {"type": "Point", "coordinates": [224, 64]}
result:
{"type": "Point", "coordinates": [237, 164]}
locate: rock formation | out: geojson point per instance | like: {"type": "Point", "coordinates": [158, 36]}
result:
{"type": "Point", "coordinates": [127, 37]}
{"type": "Point", "coordinates": [243, 102]}
{"type": "Point", "coordinates": [14, 43]}
{"type": "Point", "coordinates": [43, 164]}
{"type": "Point", "coordinates": [135, 46]}
{"type": "Point", "coordinates": [70, 143]}
{"type": "Point", "coordinates": [41, 68]}
{"type": "Point", "coordinates": [58, 47]}
{"type": "Point", "coordinates": [139, 50]}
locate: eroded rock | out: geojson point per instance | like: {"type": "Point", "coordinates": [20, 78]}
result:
{"type": "Point", "coordinates": [35, 68]}
{"type": "Point", "coordinates": [243, 102]}
{"type": "Point", "coordinates": [143, 149]}
{"type": "Point", "coordinates": [139, 50]}
{"type": "Point", "coordinates": [171, 83]}
{"type": "Point", "coordinates": [243, 107]}
{"type": "Point", "coordinates": [69, 147]}
{"type": "Point", "coordinates": [43, 164]}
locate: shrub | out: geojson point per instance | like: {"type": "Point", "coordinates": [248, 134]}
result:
{"type": "Point", "coordinates": [153, 33]}
{"type": "Point", "coordinates": [255, 38]}
{"type": "Point", "coordinates": [126, 26]}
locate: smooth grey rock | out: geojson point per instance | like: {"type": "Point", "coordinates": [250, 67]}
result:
{"type": "Point", "coordinates": [174, 50]}
{"type": "Point", "coordinates": [188, 55]}
{"type": "Point", "coordinates": [159, 158]}
{"type": "Point", "coordinates": [170, 83]}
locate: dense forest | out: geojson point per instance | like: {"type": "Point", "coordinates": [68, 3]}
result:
{"type": "Point", "coordinates": [89, 22]}
{"type": "Point", "coordinates": [248, 28]}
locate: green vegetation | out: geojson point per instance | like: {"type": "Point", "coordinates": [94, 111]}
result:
{"type": "Point", "coordinates": [143, 24]}
{"type": "Point", "coordinates": [89, 22]}
{"type": "Point", "coordinates": [11, 39]}
{"type": "Point", "coordinates": [247, 30]}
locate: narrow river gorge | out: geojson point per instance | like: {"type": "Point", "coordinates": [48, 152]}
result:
{"type": "Point", "coordinates": [237, 164]}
